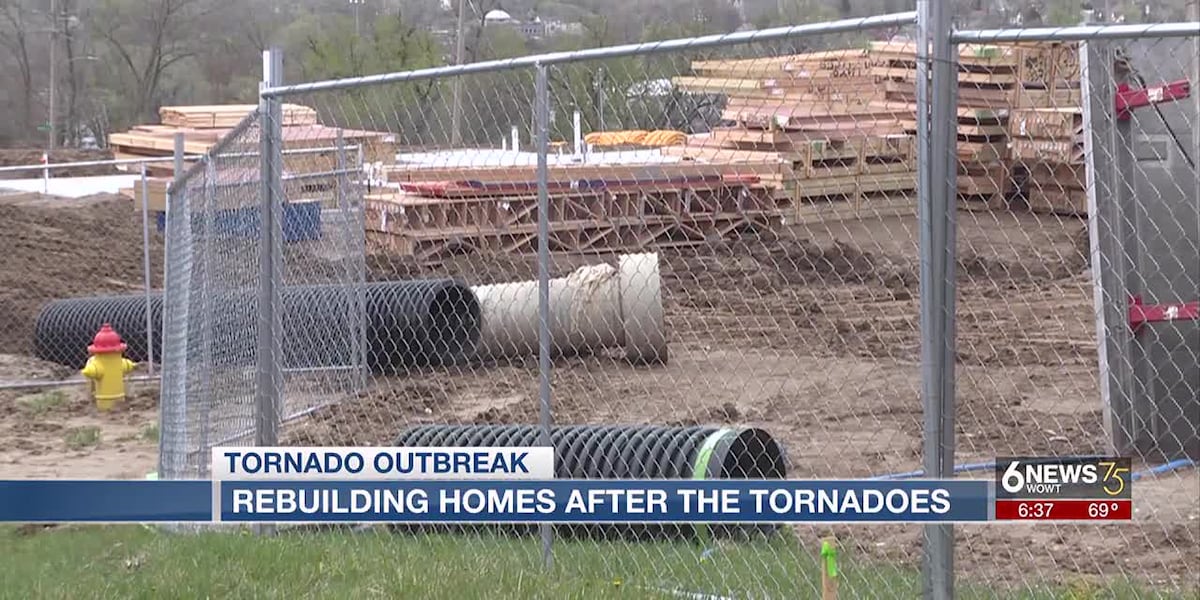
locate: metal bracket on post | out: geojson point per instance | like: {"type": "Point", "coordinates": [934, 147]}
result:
{"type": "Point", "coordinates": [1140, 314]}
{"type": "Point", "coordinates": [1128, 98]}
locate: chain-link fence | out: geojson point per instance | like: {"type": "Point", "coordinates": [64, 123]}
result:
{"type": "Point", "coordinates": [77, 252]}
{"type": "Point", "coordinates": [1073, 327]}
{"type": "Point", "coordinates": [699, 258]}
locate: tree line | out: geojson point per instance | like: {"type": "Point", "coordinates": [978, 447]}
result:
{"type": "Point", "coordinates": [117, 61]}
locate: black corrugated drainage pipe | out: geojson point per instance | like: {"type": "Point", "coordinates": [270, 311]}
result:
{"type": "Point", "coordinates": [65, 328]}
{"type": "Point", "coordinates": [631, 452]}
{"type": "Point", "coordinates": [407, 324]}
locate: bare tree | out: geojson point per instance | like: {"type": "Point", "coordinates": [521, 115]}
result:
{"type": "Point", "coordinates": [149, 37]}
{"type": "Point", "coordinates": [15, 20]}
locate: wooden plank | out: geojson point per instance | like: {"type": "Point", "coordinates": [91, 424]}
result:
{"type": "Point", "coordinates": [229, 115]}
{"type": "Point", "coordinates": [522, 174]}
{"type": "Point", "coordinates": [979, 56]}
{"type": "Point", "coordinates": [1064, 97]}
{"type": "Point", "coordinates": [982, 152]}
{"type": "Point", "coordinates": [994, 79]}
{"type": "Point", "coordinates": [1061, 151]}
{"type": "Point", "coordinates": [1055, 175]}
{"type": "Point", "coordinates": [1050, 123]}
{"type": "Point", "coordinates": [1047, 200]}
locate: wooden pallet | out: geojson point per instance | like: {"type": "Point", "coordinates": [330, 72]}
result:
{"type": "Point", "coordinates": [1054, 175]}
{"type": "Point", "coordinates": [1048, 64]}
{"type": "Point", "coordinates": [1068, 151]}
{"type": "Point", "coordinates": [610, 172]}
{"type": "Point", "coordinates": [1057, 201]}
{"type": "Point", "coordinates": [806, 156]}
{"type": "Point", "coordinates": [1060, 97]}
{"type": "Point", "coordinates": [855, 185]}
{"type": "Point", "coordinates": [859, 206]}
{"type": "Point", "coordinates": [1052, 123]}
{"type": "Point", "coordinates": [869, 118]}
{"type": "Point", "coordinates": [984, 186]}
{"type": "Point", "coordinates": [429, 229]}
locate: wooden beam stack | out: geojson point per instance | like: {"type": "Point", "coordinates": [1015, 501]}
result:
{"type": "Point", "coordinates": [593, 208]}
{"type": "Point", "coordinates": [824, 117]}
{"type": "Point", "coordinates": [203, 126]}
{"type": "Point", "coordinates": [1046, 129]}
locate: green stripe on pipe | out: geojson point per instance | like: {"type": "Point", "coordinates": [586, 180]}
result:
{"type": "Point", "coordinates": [700, 469]}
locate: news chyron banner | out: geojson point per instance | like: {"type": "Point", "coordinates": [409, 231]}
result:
{"type": "Point", "coordinates": [518, 485]}
{"type": "Point", "coordinates": [1064, 489]}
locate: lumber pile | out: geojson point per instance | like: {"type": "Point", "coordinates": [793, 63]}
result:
{"type": "Point", "coordinates": [593, 208]}
{"type": "Point", "coordinates": [1046, 129]}
{"type": "Point", "coordinates": [1019, 119]}
{"type": "Point", "coordinates": [824, 117]}
{"type": "Point", "coordinates": [228, 116]}
{"type": "Point", "coordinates": [203, 126]}
{"type": "Point", "coordinates": [986, 76]}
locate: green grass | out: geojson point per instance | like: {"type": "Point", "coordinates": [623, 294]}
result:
{"type": "Point", "coordinates": [80, 438]}
{"type": "Point", "coordinates": [149, 432]}
{"type": "Point", "coordinates": [139, 562]}
{"type": "Point", "coordinates": [36, 405]}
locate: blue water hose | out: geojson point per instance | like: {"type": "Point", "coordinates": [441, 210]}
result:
{"type": "Point", "coordinates": [985, 466]}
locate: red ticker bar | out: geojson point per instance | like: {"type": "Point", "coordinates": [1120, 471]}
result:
{"type": "Point", "coordinates": [1064, 510]}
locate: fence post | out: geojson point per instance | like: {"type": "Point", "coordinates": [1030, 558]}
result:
{"type": "Point", "coordinates": [177, 252]}
{"type": "Point", "coordinates": [542, 117]}
{"type": "Point", "coordinates": [146, 272]}
{"type": "Point", "coordinates": [1108, 259]}
{"type": "Point", "coordinates": [268, 387]}
{"type": "Point", "coordinates": [936, 215]}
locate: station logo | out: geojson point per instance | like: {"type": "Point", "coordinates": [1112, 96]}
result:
{"type": "Point", "coordinates": [1064, 477]}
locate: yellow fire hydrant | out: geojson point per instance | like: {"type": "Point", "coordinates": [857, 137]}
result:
{"type": "Point", "coordinates": [107, 368]}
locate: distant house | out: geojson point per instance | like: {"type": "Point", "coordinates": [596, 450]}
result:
{"type": "Point", "coordinates": [532, 29]}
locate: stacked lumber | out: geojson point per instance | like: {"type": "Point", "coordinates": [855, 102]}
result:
{"type": "Point", "coordinates": [593, 208]}
{"type": "Point", "coordinates": [634, 139]}
{"type": "Point", "coordinates": [228, 116]}
{"type": "Point", "coordinates": [1046, 128]}
{"type": "Point", "coordinates": [203, 126]}
{"type": "Point", "coordinates": [986, 76]}
{"type": "Point", "coordinates": [1018, 119]}
{"type": "Point", "coordinates": [824, 117]}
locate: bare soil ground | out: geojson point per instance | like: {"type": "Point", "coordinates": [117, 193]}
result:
{"type": "Point", "coordinates": [56, 248]}
{"type": "Point", "coordinates": [812, 334]}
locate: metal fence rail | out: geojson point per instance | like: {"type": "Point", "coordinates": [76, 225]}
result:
{"type": "Point", "coordinates": [925, 279]}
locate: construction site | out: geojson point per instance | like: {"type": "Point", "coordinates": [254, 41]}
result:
{"type": "Point", "coordinates": [775, 268]}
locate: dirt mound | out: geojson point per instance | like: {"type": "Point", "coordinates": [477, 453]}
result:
{"type": "Point", "coordinates": [58, 248]}
{"type": "Point", "coordinates": [32, 156]}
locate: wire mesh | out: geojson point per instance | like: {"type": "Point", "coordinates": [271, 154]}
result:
{"type": "Point", "coordinates": [1072, 206]}
{"type": "Point", "coordinates": [731, 236]}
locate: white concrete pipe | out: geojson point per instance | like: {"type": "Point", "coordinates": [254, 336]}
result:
{"type": "Point", "coordinates": [595, 307]}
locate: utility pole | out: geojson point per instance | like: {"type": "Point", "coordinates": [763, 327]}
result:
{"type": "Point", "coordinates": [460, 45]}
{"type": "Point", "coordinates": [357, 20]}
{"type": "Point", "coordinates": [53, 133]}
